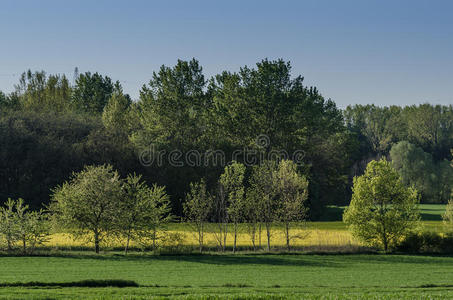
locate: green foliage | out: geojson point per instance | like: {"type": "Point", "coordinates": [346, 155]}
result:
{"type": "Point", "coordinates": [448, 215]}
{"type": "Point", "coordinates": [382, 210]}
{"type": "Point", "coordinates": [427, 126]}
{"type": "Point", "coordinates": [433, 180]}
{"type": "Point", "coordinates": [39, 92]}
{"type": "Point", "coordinates": [292, 192]}
{"type": "Point", "coordinates": [426, 242]}
{"type": "Point", "coordinates": [9, 229]}
{"type": "Point", "coordinates": [197, 209]}
{"type": "Point", "coordinates": [143, 212]}
{"type": "Point", "coordinates": [89, 202]}
{"type": "Point", "coordinates": [18, 224]}
{"type": "Point", "coordinates": [8, 102]}
{"type": "Point", "coordinates": [171, 107]}
{"type": "Point", "coordinates": [92, 92]}
{"type": "Point", "coordinates": [115, 114]}
{"type": "Point", "coordinates": [262, 201]}
{"type": "Point", "coordinates": [232, 182]}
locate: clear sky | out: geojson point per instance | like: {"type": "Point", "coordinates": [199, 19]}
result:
{"type": "Point", "coordinates": [382, 52]}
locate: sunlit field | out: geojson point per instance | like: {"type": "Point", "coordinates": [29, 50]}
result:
{"type": "Point", "coordinates": [314, 236]}
{"type": "Point", "coordinates": [308, 238]}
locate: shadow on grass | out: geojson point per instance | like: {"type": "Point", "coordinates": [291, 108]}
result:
{"type": "Point", "coordinates": [270, 260]}
{"type": "Point", "coordinates": [84, 283]}
{"type": "Point", "coordinates": [430, 217]}
{"type": "Point", "coordinates": [430, 260]}
{"type": "Point", "coordinates": [290, 259]}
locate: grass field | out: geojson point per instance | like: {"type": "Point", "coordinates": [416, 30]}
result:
{"type": "Point", "coordinates": [81, 275]}
{"type": "Point", "coordinates": [228, 276]}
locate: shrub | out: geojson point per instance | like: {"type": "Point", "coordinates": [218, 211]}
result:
{"type": "Point", "coordinates": [426, 242]}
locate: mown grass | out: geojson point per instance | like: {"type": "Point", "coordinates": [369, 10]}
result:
{"type": "Point", "coordinates": [286, 276]}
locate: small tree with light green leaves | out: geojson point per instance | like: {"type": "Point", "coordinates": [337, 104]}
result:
{"type": "Point", "coordinates": [143, 212]}
{"type": "Point", "coordinates": [20, 225]}
{"type": "Point", "coordinates": [382, 210]}
{"type": "Point", "coordinates": [89, 203]}
{"type": "Point", "coordinates": [197, 207]}
{"type": "Point", "coordinates": [292, 193]}
{"type": "Point", "coordinates": [232, 181]}
{"type": "Point", "coordinates": [448, 215]}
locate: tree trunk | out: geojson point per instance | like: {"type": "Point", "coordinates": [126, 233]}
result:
{"type": "Point", "coordinates": [259, 235]}
{"type": "Point", "coordinates": [287, 235]}
{"type": "Point", "coordinates": [268, 232]}
{"type": "Point", "coordinates": [254, 237]}
{"type": "Point", "coordinates": [225, 235]}
{"type": "Point", "coordinates": [154, 240]}
{"type": "Point", "coordinates": [200, 238]}
{"type": "Point", "coordinates": [10, 246]}
{"type": "Point", "coordinates": [24, 245]}
{"type": "Point", "coordinates": [127, 243]}
{"type": "Point", "coordinates": [235, 237]}
{"type": "Point", "coordinates": [96, 242]}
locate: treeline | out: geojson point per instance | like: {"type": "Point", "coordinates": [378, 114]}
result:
{"type": "Point", "coordinates": [98, 204]}
{"type": "Point", "coordinates": [50, 127]}
{"type": "Point", "coordinates": [418, 139]}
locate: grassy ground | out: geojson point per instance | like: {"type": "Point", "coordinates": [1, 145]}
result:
{"type": "Point", "coordinates": [79, 275]}
{"type": "Point", "coordinates": [228, 276]}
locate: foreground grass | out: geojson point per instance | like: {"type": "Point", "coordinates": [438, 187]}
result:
{"type": "Point", "coordinates": [229, 276]}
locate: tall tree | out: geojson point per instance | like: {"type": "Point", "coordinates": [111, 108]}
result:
{"type": "Point", "coordinates": [92, 92]}
{"type": "Point", "coordinates": [382, 209]}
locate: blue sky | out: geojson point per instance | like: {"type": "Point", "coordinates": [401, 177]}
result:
{"type": "Point", "coordinates": [382, 52]}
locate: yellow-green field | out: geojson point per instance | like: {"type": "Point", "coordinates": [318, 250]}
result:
{"type": "Point", "coordinates": [312, 235]}
{"type": "Point", "coordinates": [308, 237]}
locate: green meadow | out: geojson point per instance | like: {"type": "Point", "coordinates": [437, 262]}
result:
{"type": "Point", "coordinates": [228, 276]}
{"type": "Point", "coordinates": [77, 275]}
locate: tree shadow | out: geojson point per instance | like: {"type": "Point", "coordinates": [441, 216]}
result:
{"type": "Point", "coordinates": [264, 259]}
{"type": "Point", "coordinates": [400, 259]}
{"type": "Point", "coordinates": [296, 260]}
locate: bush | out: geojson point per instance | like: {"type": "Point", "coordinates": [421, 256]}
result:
{"type": "Point", "coordinates": [427, 242]}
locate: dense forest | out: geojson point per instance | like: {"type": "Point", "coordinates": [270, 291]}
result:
{"type": "Point", "coordinates": [51, 127]}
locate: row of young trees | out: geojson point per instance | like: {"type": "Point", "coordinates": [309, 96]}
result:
{"type": "Point", "coordinates": [20, 225]}
{"type": "Point", "coordinates": [98, 203]}
{"type": "Point", "coordinates": [275, 193]}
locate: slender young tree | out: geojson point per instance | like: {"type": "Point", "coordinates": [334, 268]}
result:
{"type": "Point", "coordinates": [20, 225]}
{"type": "Point", "coordinates": [197, 208]}
{"type": "Point", "coordinates": [292, 192]}
{"type": "Point", "coordinates": [9, 229]}
{"type": "Point", "coordinates": [252, 216]}
{"type": "Point", "coordinates": [143, 212]}
{"type": "Point", "coordinates": [232, 181]}
{"type": "Point", "coordinates": [262, 185]}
